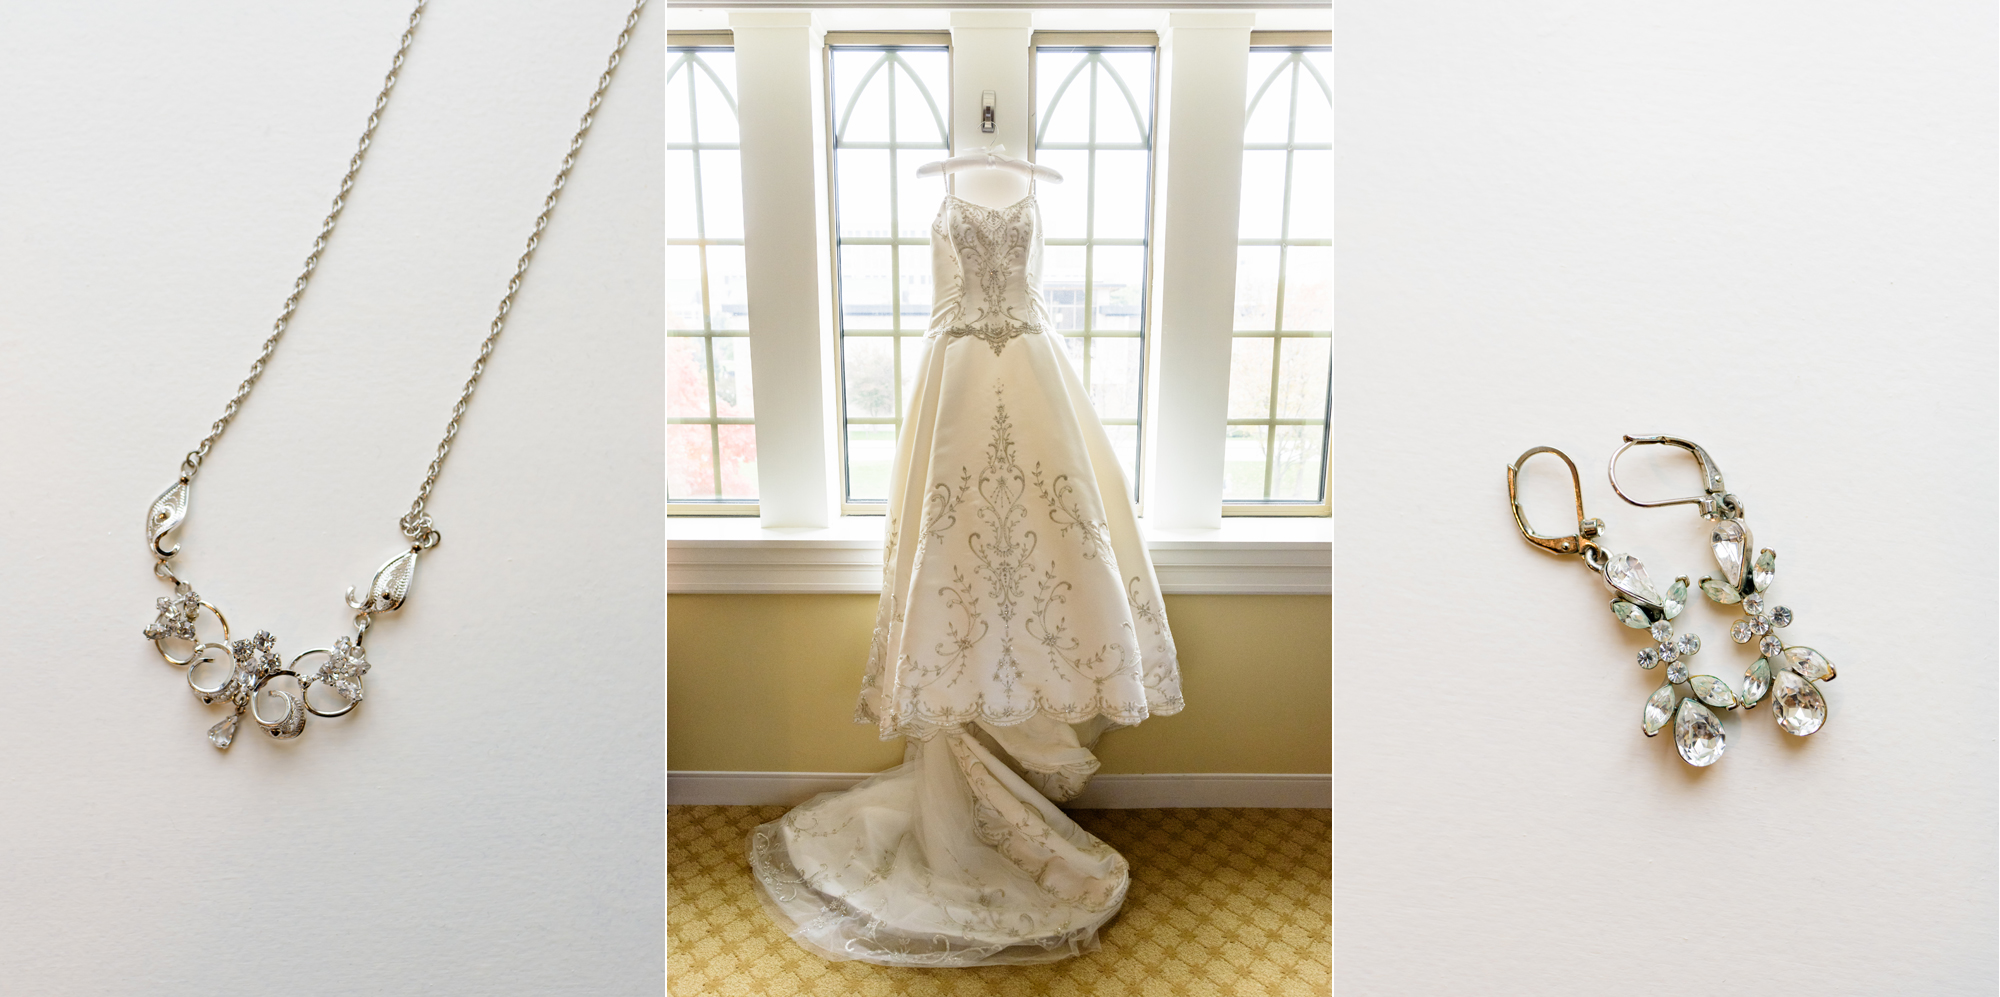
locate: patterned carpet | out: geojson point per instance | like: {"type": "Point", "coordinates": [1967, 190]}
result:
{"type": "Point", "coordinates": [1222, 902]}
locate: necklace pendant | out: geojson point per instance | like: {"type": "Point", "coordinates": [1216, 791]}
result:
{"type": "Point", "coordinates": [390, 587]}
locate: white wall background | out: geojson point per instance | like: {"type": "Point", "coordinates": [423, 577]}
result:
{"type": "Point", "coordinates": [489, 821]}
{"type": "Point", "coordinates": [1770, 229]}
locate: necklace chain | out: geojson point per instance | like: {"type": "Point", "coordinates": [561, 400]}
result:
{"type": "Point", "coordinates": [416, 524]}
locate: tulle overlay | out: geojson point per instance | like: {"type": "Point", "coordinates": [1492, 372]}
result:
{"type": "Point", "coordinates": [1019, 619]}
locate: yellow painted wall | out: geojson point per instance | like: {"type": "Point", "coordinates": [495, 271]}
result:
{"type": "Point", "coordinates": [767, 683]}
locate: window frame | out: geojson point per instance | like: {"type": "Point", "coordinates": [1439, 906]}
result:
{"type": "Point", "coordinates": [1292, 41]}
{"type": "Point", "coordinates": [681, 42]}
{"type": "Point", "coordinates": [866, 40]}
{"type": "Point", "coordinates": [1142, 421]}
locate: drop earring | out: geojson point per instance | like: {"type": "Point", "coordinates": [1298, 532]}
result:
{"type": "Point", "coordinates": [1638, 604]}
{"type": "Point", "coordinates": [1787, 673]}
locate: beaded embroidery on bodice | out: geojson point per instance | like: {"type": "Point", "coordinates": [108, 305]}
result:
{"type": "Point", "coordinates": [986, 269]}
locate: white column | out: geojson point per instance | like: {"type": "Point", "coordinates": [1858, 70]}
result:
{"type": "Point", "coordinates": [1205, 57]}
{"type": "Point", "coordinates": [778, 94]}
{"type": "Point", "coordinates": [989, 51]}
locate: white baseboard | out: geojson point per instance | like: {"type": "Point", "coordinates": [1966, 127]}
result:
{"type": "Point", "coordinates": [1108, 792]}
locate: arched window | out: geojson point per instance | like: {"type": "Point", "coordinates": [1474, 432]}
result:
{"type": "Point", "coordinates": [711, 436]}
{"type": "Point", "coordinates": [1095, 125]}
{"type": "Point", "coordinates": [890, 112]}
{"type": "Point", "coordinates": [1280, 363]}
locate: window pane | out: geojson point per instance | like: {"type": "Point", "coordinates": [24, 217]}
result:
{"type": "Point", "coordinates": [684, 287]}
{"type": "Point", "coordinates": [1117, 119]}
{"type": "Point", "coordinates": [680, 125]}
{"type": "Point", "coordinates": [690, 462]}
{"type": "Point", "coordinates": [864, 287]}
{"type": "Point", "coordinates": [862, 178]}
{"type": "Point", "coordinates": [1068, 119]}
{"type": "Point", "coordinates": [915, 120]}
{"type": "Point", "coordinates": [1295, 472]}
{"type": "Point", "coordinates": [870, 449]}
{"type": "Point", "coordinates": [1250, 378]}
{"type": "Point", "coordinates": [916, 200]}
{"type": "Point", "coordinates": [732, 376]}
{"type": "Point", "coordinates": [1243, 464]}
{"type": "Point", "coordinates": [739, 461]}
{"type": "Point", "coordinates": [1270, 119]}
{"type": "Point", "coordinates": [1312, 196]}
{"type": "Point", "coordinates": [1114, 377]}
{"type": "Point", "coordinates": [1263, 207]}
{"type": "Point", "coordinates": [1315, 125]}
{"type": "Point", "coordinates": [728, 290]}
{"type": "Point", "coordinates": [713, 117]}
{"type": "Point", "coordinates": [1121, 195]}
{"type": "Point", "coordinates": [1064, 205]}
{"type": "Point", "coordinates": [687, 377]}
{"type": "Point", "coordinates": [680, 210]}
{"type": "Point", "coordinates": [722, 194]}
{"type": "Point", "coordinates": [868, 374]}
{"type": "Point", "coordinates": [1309, 288]}
{"type": "Point", "coordinates": [1256, 287]}
{"type": "Point", "coordinates": [868, 118]}
{"type": "Point", "coordinates": [1118, 281]}
{"type": "Point", "coordinates": [1062, 285]}
{"type": "Point", "coordinates": [915, 291]}
{"type": "Point", "coordinates": [1302, 373]}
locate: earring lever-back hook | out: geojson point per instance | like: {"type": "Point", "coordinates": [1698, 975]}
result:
{"type": "Point", "coordinates": [1715, 502]}
{"type": "Point", "coordinates": [1583, 541]}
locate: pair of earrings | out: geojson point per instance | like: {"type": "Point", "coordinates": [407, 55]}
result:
{"type": "Point", "coordinates": [1787, 673]}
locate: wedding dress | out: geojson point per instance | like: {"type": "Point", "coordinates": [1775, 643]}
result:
{"type": "Point", "coordinates": [1019, 619]}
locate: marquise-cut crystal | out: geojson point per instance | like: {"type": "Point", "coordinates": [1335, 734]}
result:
{"type": "Point", "coordinates": [1731, 542]}
{"type": "Point", "coordinates": [1718, 592]}
{"type": "Point", "coordinates": [1712, 691]}
{"type": "Point", "coordinates": [1809, 663]}
{"type": "Point", "coordinates": [1698, 734]}
{"type": "Point", "coordinates": [1677, 671]}
{"type": "Point", "coordinates": [1630, 615]}
{"type": "Point", "coordinates": [1663, 631]}
{"type": "Point", "coordinates": [223, 733]}
{"type": "Point", "coordinates": [1797, 704]}
{"type": "Point", "coordinates": [1627, 575]}
{"type": "Point", "coordinates": [1648, 657]}
{"type": "Point", "coordinates": [1781, 616]}
{"type": "Point", "coordinates": [1753, 604]}
{"type": "Point", "coordinates": [1739, 631]}
{"type": "Point", "coordinates": [1770, 647]}
{"type": "Point", "coordinates": [1677, 597]}
{"type": "Point", "coordinates": [1689, 644]}
{"type": "Point", "coordinates": [1765, 569]}
{"type": "Point", "coordinates": [1659, 709]}
{"type": "Point", "coordinates": [1756, 682]}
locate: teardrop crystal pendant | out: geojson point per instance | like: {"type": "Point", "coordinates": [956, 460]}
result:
{"type": "Point", "coordinates": [1659, 709]}
{"type": "Point", "coordinates": [1731, 543]}
{"type": "Point", "coordinates": [222, 734]}
{"type": "Point", "coordinates": [1756, 682]}
{"type": "Point", "coordinates": [1698, 734]}
{"type": "Point", "coordinates": [1809, 663]}
{"type": "Point", "coordinates": [1796, 703]}
{"type": "Point", "coordinates": [1627, 575]}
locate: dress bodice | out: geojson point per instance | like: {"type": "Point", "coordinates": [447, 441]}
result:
{"type": "Point", "coordinates": [986, 269]}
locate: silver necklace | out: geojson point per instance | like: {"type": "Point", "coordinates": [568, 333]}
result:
{"type": "Point", "coordinates": [249, 676]}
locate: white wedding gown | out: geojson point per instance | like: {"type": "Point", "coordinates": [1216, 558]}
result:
{"type": "Point", "coordinates": [1020, 618]}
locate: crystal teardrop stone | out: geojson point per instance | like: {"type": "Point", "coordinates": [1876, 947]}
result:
{"type": "Point", "coordinates": [1630, 615]}
{"type": "Point", "coordinates": [1718, 592]}
{"type": "Point", "coordinates": [1765, 569]}
{"type": "Point", "coordinates": [1698, 734]}
{"type": "Point", "coordinates": [1627, 575]}
{"type": "Point", "coordinates": [1712, 691]}
{"type": "Point", "coordinates": [1731, 543]}
{"type": "Point", "coordinates": [1659, 709]}
{"type": "Point", "coordinates": [1677, 597]}
{"type": "Point", "coordinates": [222, 734]}
{"type": "Point", "coordinates": [1796, 703]}
{"type": "Point", "coordinates": [1809, 663]}
{"type": "Point", "coordinates": [1756, 682]}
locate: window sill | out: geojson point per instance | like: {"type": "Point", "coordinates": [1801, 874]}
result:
{"type": "Point", "coordinates": [1247, 556]}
